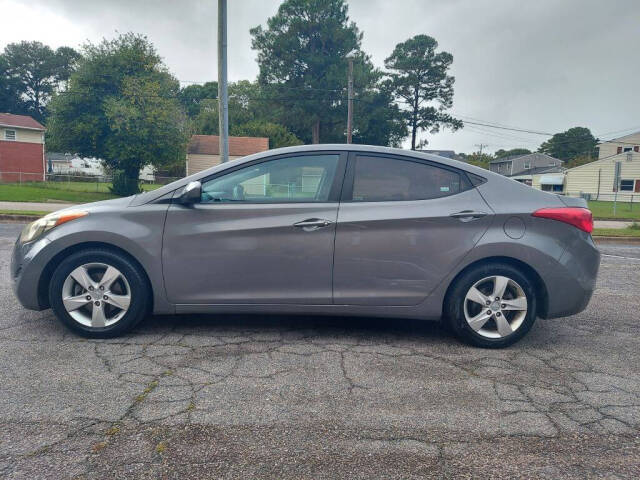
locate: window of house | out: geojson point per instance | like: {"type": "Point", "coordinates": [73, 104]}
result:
{"type": "Point", "coordinates": [527, 165]}
{"type": "Point", "coordinates": [627, 149]}
{"type": "Point", "coordinates": [306, 178]}
{"type": "Point", "coordinates": [552, 188]}
{"type": "Point", "coordinates": [626, 185]}
{"type": "Point", "coordinates": [380, 179]}
{"type": "Point", "coordinates": [9, 134]}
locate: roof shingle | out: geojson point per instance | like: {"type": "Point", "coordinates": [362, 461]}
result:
{"type": "Point", "coordinates": [24, 121]}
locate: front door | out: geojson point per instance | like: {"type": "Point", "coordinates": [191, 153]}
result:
{"type": "Point", "coordinates": [262, 233]}
{"type": "Point", "coordinates": [403, 225]}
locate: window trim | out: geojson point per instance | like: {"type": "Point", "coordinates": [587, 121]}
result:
{"type": "Point", "coordinates": [349, 177]}
{"type": "Point", "coordinates": [15, 135]}
{"type": "Point", "coordinates": [334, 192]}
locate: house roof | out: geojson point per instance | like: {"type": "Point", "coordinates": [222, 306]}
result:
{"type": "Point", "coordinates": [20, 121]}
{"type": "Point", "coordinates": [534, 154]}
{"type": "Point", "coordinates": [238, 146]}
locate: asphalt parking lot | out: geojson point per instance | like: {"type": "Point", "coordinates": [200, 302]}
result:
{"type": "Point", "coordinates": [305, 397]}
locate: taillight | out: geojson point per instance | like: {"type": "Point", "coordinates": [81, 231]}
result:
{"type": "Point", "coordinates": [576, 216]}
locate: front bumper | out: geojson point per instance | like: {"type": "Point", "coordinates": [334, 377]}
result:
{"type": "Point", "coordinates": [28, 262]}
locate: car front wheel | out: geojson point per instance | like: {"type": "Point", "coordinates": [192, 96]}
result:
{"type": "Point", "coordinates": [492, 306]}
{"type": "Point", "coordinates": [98, 293]}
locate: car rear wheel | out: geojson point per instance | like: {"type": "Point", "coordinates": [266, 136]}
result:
{"type": "Point", "coordinates": [491, 306]}
{"type": "Point", "coordinates": [98, 293]}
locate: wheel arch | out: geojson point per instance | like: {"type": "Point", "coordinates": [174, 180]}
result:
{"type": "Point", "coordinates": [542, 296]}
{"type": "Point", "coordinates": [47, 271]}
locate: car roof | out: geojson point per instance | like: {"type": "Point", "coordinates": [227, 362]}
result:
{"type": "Point", "coordinates": [322, 147]}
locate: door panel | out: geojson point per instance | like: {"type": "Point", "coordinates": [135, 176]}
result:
{"type": "Point", "coordinates": [262, 233]}
{"type": "Point", "coordinates": [396, 252]}
{"type": "Point", "coordinates": [233, 253]}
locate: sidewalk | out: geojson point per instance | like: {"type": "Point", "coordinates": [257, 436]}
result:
{"type": "Point", "coordinates": [34, 206]}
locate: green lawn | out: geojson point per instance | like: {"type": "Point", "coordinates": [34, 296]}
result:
{"type": "Point", "coordinates": [624, 210]}
{"type": "Point", "coordinates": [74, 192]}
{"type": "Point", "coordinates": [37, 213]}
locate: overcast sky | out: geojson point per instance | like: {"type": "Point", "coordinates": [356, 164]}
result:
{"type": "Point", "coordinates": [544, 65]}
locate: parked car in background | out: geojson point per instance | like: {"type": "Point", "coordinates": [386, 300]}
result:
{"type": "Point", "coordinates": [324, 229]}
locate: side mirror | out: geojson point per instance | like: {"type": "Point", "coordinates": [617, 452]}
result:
{"type": "Point", "coordinates": [191, 193]}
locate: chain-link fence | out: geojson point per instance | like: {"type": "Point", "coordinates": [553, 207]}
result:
{"type": "Point", "coordinates": [75, 181]}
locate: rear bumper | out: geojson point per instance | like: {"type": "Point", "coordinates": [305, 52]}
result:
{"type": "Point", "coordinates": [571, 284]}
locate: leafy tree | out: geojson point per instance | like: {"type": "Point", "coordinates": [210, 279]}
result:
{"type": "Point", "coordinates": [420, 81]}
{"type": "Point", "coordinates": [478, 159]}
{"type": "Point", "coordinates": [121, 105]}
{"type": "Point", "coordinates": [303, 68]}
{"type": "Point", "coordinates": [511, 153]}
{"type": "Point", "coordinates": [192, 96]}
{"type": "Point", "coordinates": [38, 71]}
{"type": "Point", "coordinates": [278, 135]}
{"type": "Point", "coordinates": [10, 100]}
{"type": "Point", "coordinates": [247, 117]}
{"type": "Point", "coordinates": [575, 142]}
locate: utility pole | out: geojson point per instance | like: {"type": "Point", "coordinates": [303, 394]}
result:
{"type": "Point", "coordinates": [223, 98]}
{"type": "Point", "coordinates": [481, 146]}
{"type": "Point", "coordinates": [350, 57]}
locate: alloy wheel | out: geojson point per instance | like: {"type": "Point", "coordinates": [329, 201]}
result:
{"type": "Point", "coordinates": [495, 306]}
{"type": "Point", "coordinates": [96, 295]}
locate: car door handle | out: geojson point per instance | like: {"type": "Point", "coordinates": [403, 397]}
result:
{"type": "Point", "coordinates": [311, 224]}
{"type": "Point", "coordinates": [468, 215]}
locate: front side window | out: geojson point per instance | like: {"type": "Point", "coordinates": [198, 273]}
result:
{"type": "Point", "coordinates": [9, 134]}
{"type": "Point", "coordinates": [305, 178]}
{"type": "Point", "coordinates": [380, 179]}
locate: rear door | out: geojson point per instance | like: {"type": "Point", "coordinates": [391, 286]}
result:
{"type": "Point", "coordinates": [403, 225]}
{"type": "Point", "coordinates": [262, 233]}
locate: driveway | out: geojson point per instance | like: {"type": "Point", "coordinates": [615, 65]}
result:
{"type": "Point", "coordinates": [305, 397]}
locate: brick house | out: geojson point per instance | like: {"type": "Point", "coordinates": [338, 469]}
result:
{"type": "Point", "coordinates": [203, 151]}
{"type": "Point", "coordinates": [21, 149]}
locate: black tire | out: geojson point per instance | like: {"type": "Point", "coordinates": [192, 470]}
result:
{"type": "Point", "coordinates": [140, 296]}
{"type": "Point", "coordinates": [454, 306]}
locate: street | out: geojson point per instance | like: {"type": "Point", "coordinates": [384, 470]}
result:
{"type": "Point", "coordinates": [315, 397]}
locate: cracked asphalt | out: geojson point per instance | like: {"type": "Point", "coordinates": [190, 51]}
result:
{"type": "Point", "coordinates": [313, 397]}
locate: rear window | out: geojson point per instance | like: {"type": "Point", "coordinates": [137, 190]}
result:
{"type": "Point", "coordinates": [381, 179]}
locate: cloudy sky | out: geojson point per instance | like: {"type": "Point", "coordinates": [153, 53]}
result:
{"type": "Point", "coordinates": [543, 65]}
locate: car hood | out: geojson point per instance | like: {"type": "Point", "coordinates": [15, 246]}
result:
{"type": "Point", "coordinates": [103, 205]}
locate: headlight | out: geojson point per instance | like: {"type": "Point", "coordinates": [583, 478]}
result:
{"type": "Point", "coordinates": [46, 223]}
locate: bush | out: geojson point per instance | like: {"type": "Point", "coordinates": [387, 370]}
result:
{"type": "Point", "coordinates": [124, 185]}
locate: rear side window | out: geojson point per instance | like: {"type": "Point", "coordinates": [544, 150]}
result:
{"type": "Point", "coordinates": [380, 179]}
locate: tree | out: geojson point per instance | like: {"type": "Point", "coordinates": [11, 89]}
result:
{"type": "Point", "coordinates": [247, 117]}
{"type": "Point", "coordinates": [38, 71]}
{"type": "Point", "coordinates": [478, 159]}
{"type": "Point", "coordinates": [572, 143]}
{"type": "Point", "coordinates": [10, 100]}
{"type": "Point", "coordinates": [511, 153]}
{"type": "Point", "coordinates": [420, 81]}
{"type": "Point", "coordinates": [192, 96]}
{"type": "Point", "coordinates": [303, 65]}
{"type": "Point", "coordinates": [121, 106]}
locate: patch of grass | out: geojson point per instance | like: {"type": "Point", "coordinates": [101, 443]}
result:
{"type": "Point", "coordinates": [96, 447]}
{"type": "Point", "coordinates": [112, 431]}
{"type": "Point", "coordinates": [191, 406]}
{"type": "Point", "coordinates": [24, 212]}
{"type": "Point", "coordinates": [74, 192]}
{"type": "Point", "coordinates": [161, 447]}
{"type": "Point", "coordinates": [150, 388]}
{"type": "Point", "coordinates": [630, 231]}
{"type": "Point", "coordinates": [624, 210]}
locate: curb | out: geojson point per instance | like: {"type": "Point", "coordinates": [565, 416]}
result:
{"type": "Point", "coordinates": [609, 239]}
